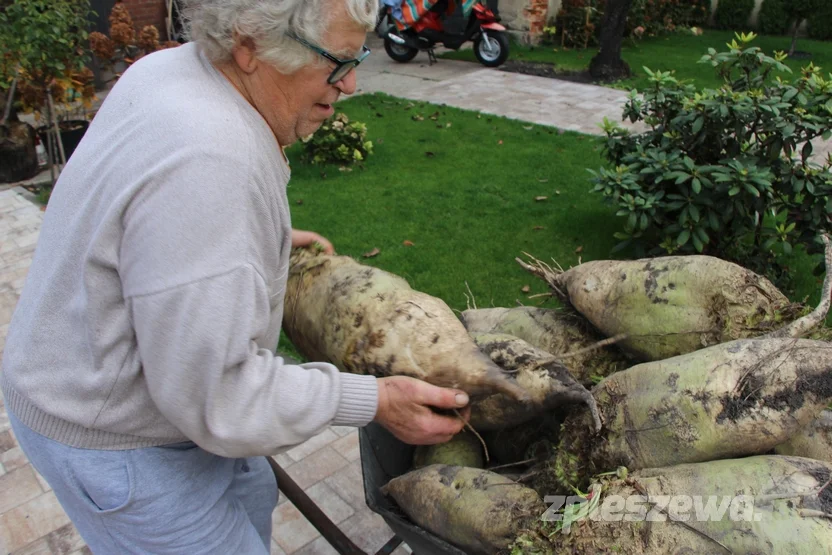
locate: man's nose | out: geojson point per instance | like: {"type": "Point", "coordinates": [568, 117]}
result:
{"type": "Point", "coordinates": [348, 84]}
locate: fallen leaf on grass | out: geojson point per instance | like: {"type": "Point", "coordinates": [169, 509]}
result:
{"type": "Point", "coordinates": [371, 254]}
{"type": "Point", "coordinates": [579, 250]}
{"type": "Point", "coordinates": [525, 289]}
{"type": "Point", "coordinates": [499, 143]}
{"type": "Point", "coordinates": [540, 199]}
{"type": "Point", "coordinates": [407, 243]}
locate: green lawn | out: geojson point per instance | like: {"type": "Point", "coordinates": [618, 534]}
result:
{"type": "Point", "coordinates": [465, 201]}
{"type": "Point", "coordinates": [679, 52]}
{"type": "Point", "coordinates": [464, 195]}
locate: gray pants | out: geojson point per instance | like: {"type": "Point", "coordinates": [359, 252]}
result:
{"type": "Point", "coordinates": [175, 499]}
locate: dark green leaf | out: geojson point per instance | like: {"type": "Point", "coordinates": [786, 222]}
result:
{"type": "Point", "coordinates": [697, 125]}
{"type": "Point", "coordinates": [694, 212]}
{"type": "Point", "coordinates": [697, 243]}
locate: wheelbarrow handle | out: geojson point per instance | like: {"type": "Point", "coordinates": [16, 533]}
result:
{"type": "Point", "coordinates": [331, 533]}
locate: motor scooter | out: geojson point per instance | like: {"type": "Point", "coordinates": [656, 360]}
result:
{"type": "Point", "coordinates": [491, 45]}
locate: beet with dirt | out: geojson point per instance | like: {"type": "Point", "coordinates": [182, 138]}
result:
{"type": "Point", "coordinates": [763, 504]}
{"type": "Point", "coordinates": [672, 305]}
{"type": "Point", "coordinates": [555, 331]}
{"type": "Point", "coordinates": [476, 510]}
{"type": "Point", "coordinates": [368, 321]}
{"type": "Point", "coordinates": [735, 399]}
{"type": "Point", "coordinates": [548, 384]}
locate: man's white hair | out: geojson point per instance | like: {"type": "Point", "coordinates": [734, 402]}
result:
{"type": "Point", "coordinates": [217, 24]}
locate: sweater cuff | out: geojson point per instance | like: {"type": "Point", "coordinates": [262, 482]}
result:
{"type": "Point", "coordinates": [359, 400]}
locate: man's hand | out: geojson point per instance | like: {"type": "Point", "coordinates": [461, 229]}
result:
{"type": "Point", "coordinates": [305, 238]}
{"type": "Point", "coordinates": [404, 408]}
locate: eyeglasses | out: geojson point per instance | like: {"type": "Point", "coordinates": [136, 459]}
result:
{"type": "Point", "coordinates": [342, 67]}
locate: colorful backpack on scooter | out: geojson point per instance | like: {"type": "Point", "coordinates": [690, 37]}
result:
{"type": "Point", "coordinates": [419, 14]}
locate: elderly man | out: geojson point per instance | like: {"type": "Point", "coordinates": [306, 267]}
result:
{"type": "Point", "coordinates": [139, 370]}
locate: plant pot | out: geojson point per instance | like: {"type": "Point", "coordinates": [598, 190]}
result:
{"type": "Point", "coordinates": [18, 157]}
{"type": "Point", "coordinates": [72, 131]}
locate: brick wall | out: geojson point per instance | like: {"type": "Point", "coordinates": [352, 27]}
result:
{"type": "Point", "coordinates": [148, 12]}
{"type": "Point", "coordinates": [536, 13]}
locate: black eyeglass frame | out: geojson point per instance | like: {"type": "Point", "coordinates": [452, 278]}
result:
{"type": "Point", "coordinates": [338, 73]}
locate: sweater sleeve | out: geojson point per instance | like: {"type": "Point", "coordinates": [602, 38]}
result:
{"type": "Point", "coordinates": [208, 377]}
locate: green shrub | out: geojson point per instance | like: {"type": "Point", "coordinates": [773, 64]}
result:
{"type": "Point", "coordinates": [579, 23]}
{"type": "Point", "coordinates": [700, 11]}
{"type": "Point", "coordinates": [647, 18]}
{"type": "Point", "coordinates": [820, 23]}
{"type": "Point", "coordinates": [338, 141]}
{"type": "Point", "coordinates": [657, 17]}
{"type": "Point", "coordinates": [724, 172]}
{"type": "Point", "coordinates": [733, 15]}
{"type": "Point", "coordinates": [773, 19]}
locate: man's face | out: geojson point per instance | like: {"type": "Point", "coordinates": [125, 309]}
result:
{"type": "Point", "coordinates": [296, 105]}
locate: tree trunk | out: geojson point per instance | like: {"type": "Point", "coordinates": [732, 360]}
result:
{"type": "Point", "coordinates": [607, 65]}
{"type": "Point", "coordinates": [794, 38]}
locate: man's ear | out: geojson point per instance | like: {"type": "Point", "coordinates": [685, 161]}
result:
{"type": "Point", "coordinates": [245, 55]}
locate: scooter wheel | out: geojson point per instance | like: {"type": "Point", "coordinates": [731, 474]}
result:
{"type": "Point", "coordinates": [399, 52]}
{"type": "Point", "coordinates": [494, 52]}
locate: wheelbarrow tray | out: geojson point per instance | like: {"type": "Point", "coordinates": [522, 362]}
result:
{"type": "Point", "coordinates": [384, 457]}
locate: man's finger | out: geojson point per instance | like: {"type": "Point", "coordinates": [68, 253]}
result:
{"type": "Point", "coordinates": [438, 424]}
{"type": "Point", "coordinates": [328, 248]}
{"type": "Point", "coordinates": [440, 397]}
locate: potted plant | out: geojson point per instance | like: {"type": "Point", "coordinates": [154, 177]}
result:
{"type": "Point", "coordinates": [45, 42]}
{"type": "Point", "coordinates": [18, 158]}
{"type": "Point", "coordinates": [71, 96]}
{"type": "Point", "coordinates": [116, 52]}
